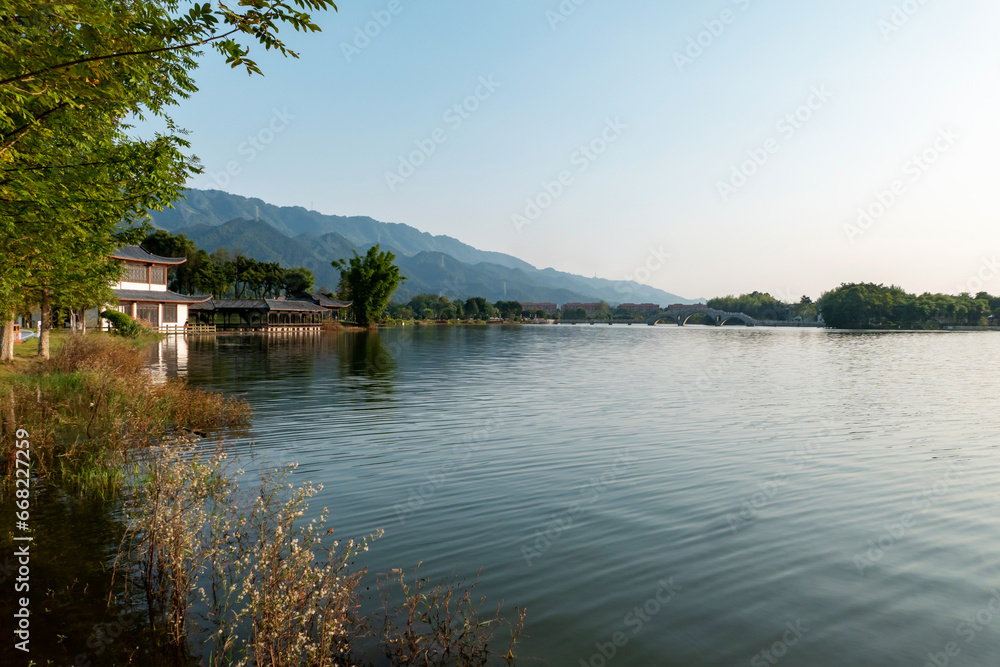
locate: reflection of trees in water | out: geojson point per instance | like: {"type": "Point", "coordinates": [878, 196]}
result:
{"type": "Point", "coordinates": [74, 545]}
{"type": "Point", "coordinates": [365, 355]}
{"type": "Point", "coordinates": [221, 361]}
{"type": "Point", "coordinates": [243, 362]}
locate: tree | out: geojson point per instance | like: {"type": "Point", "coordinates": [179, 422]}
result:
{"type": "Point", "coordinates": [58, 225]}
{"type": "Point", "coordinates": [477, 308]}
{"type": "Point", "coordinates": [74, 184]}
{"type": "Point", "coordinates": [299, 280]}
{"type": "Point", "coordinates": [760, 305]}
{"type": "Point", "coordinates": [508, 309]}
{"type": "Point", "coordinates": [369, 282]}
{"type": "Point", "coordinates": [183, 278]}
{"type": "Point", "coordinates": [218, 275]}
{"type": "Point", "coordinates": [126, 57]}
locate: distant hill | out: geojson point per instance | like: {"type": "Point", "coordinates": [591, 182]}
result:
{"type": "Point", "coordinates": [257, 239]}
{"type": "Point", "coordinates": [212, 207]}
{"type": "Point", "coordinates": [442, 265]}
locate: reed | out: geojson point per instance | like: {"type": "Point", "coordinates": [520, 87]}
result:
{"type": "Point", "coordinates": [92, 404]}
{"type": "Point", "coordinates": [276, 590]}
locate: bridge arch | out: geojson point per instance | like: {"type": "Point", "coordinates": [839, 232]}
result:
{"type": "Point", "coordinates": [738, 316]}
{"type": "Point", "coordinates": [682, 315]}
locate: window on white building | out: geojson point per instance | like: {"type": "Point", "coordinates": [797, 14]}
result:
{"type": "Point", "coordinates": [135, 273]}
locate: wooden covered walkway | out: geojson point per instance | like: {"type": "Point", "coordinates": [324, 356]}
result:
{"type": "Point", "coordinates": [260, 314]}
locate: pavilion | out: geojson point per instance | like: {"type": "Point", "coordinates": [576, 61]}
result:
{"type": "Point", "coordinates": [260, 314]}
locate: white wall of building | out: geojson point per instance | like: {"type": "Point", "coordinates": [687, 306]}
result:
{"type": "Point", "coordinates": [145, 287]}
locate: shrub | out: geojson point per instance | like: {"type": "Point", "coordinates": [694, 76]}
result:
{"type": "Point", "coordinates": [122, 324]}
{"type": "Point", "coordinates": [275, 590]}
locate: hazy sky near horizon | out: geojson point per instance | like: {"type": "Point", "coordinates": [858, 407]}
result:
{"type": "Point", "coordinates": [739, 137]}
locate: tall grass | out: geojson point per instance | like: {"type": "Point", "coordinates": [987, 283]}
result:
{"type": "Point", "coordinates": [276, 590]}
{"type": "Point", "coordinates": [93, 403]}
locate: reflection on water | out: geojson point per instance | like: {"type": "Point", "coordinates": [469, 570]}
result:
{"type": "Point", "coordinates": [168, 358]}
{"type": "Point", "coordinates": [692, 496]}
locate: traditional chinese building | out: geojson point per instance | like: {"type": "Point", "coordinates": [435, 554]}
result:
{"type": "Point", "coordinates": [142, 292]}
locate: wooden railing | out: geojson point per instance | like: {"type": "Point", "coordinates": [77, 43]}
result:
{"type": "Point", "coordinates": [189, 329]}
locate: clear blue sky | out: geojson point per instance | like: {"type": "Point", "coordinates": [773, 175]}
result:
{"type": "Point", "coordinates": [672, 132]}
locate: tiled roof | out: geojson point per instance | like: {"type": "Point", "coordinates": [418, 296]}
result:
{"type": "Point", "coordinates": [136, 254]}
{"type": "Point", "coordinates": [163, 297]}
{"type": "Point", "coordinates": [323, 300]}
{"type": "Point", "coordinates": [274, 305]}
{"type": "Point", "coordinates": [287, 304]}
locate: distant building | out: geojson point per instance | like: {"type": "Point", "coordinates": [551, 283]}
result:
{"type": "Point", "coordinates": [590, 308]}
{"type": "Point", "coordinates": [639, 308]}
{"type": "Point", "coordinates": [546, 307]}
{"type": "Point", "coordinates": [333, 306]}
{"type": "Point", "coordinates": [142, 292]}
{"type": "Point", "coordinates": [253, 314]}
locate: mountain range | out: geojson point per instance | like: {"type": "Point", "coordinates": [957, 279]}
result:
{"type": "Point", "coordinates": [295, 236]}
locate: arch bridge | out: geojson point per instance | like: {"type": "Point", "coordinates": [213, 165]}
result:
{"type": "Point", "coordinates": [682, 314]}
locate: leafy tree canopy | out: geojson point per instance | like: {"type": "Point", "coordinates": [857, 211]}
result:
{"type": "Point", "coordinates": [369, 281]}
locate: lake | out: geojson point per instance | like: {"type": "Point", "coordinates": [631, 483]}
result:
{"type": "Point", "coordinates": [656, 496]}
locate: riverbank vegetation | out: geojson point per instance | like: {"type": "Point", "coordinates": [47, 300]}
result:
{"type": "Point", "coordinates": [871, 306]}
{"type": "Point", "coordinates": [763, 306]}
{"type": "Point", "coordinates": [92, 404]}
{"type": "Point", "coordinates": [271, 589]}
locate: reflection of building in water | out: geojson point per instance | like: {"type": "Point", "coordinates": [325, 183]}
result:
{"type": "Point", "coordinates": [168, 359]}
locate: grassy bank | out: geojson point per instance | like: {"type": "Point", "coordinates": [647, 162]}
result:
{"type": "Point", "coordinates": [92, 404]}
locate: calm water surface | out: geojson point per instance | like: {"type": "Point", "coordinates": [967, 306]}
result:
{"type": "Point", "coordinates": [700, 495]}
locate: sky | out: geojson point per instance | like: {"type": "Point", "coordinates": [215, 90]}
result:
{"type": "Point", "coordinates": [704, 148]}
